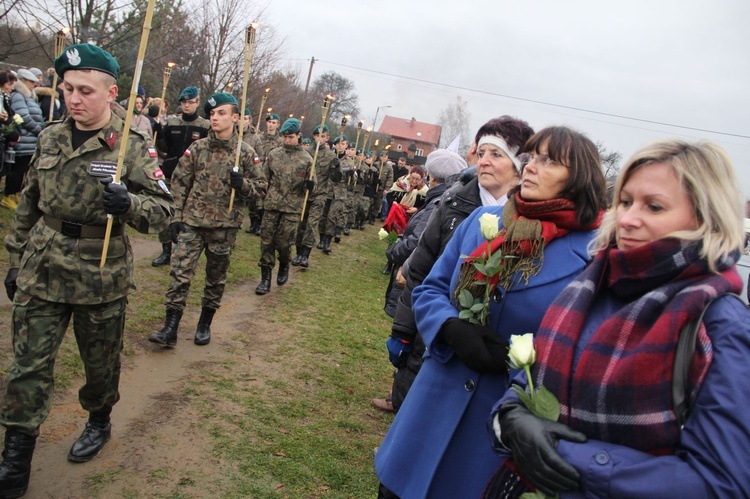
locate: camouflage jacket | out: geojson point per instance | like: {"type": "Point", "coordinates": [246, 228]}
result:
{"type": "Point", "coordinates": [341, 178]}
{"type": "Point", "coordinates": [358, 181]}
{"type": "Point", "coordinates": [286, 168]}
{"type": "Point", "coordinates": [65, 184]}
{"type": "Point", "coordinates": [385, 176]}
{"type": "Point", "coordinates": [250, 136]}
{"type": "Point", "coordinates": [200, 183]}
{"type": "Point", "coordinates": [323, 166]}
{"type": "Point", "coordinates": [176, 137]}
{"type": "Point", "coordinates": [269, 141]}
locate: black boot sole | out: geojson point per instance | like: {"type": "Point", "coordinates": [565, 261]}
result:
{"type": "Point", "coordinates": [161, 342]}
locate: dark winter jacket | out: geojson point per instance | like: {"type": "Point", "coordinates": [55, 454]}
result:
{"type": "Point", "coordinates": [23, 103]}
{"type": "Point", "coordinates": [45, 96]}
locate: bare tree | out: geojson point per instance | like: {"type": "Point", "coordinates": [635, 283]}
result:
{"type": "Point", "coordinates": [346, 101]}
{"type": "Point", "coordinates": [455, 119]}
{"type": "Point", "coordinates": [610, 160]}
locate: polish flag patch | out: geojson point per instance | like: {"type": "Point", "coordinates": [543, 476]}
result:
{"type": "Point", "coordinates": [152, 152]}
{"type": "Point", "coordinates": [187, 152]}
{"type": "Point", "coordinates": [256, 160]}
{"type": "Point", "coordinates": [158, 173]}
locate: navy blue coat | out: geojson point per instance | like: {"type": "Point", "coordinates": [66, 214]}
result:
{"type": "Point", "coordinates": [437, 445]}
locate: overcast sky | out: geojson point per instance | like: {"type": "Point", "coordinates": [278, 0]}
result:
{"type": "Point", "coordinates": [676, 62]}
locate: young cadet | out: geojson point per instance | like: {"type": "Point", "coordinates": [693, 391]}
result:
{"type": "Point", "coordinates": [270, 140]}
{"type": "Point", "coordinates": [174, 139]}
{"type": "Point", "coordinates": [337, 212]}
{"type": "Point", "coordinates": [201, 185]}
{"type": "Point", "coordinates": [55, 244]}
{"type": "Point", "coordinates": [254, 206]}
{"type": "Point", "coordinates": [287, 170]}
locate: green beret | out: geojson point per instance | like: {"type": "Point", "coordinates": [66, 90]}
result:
{"type": "Point", "coordinates": [188, 93]}
{"type": "Point", "coordinates": [217, 100]}
{"type": "Point", "coordinates": [273, 116]}
{"type": "Point", "coordinates": [340, 138]}
{"type": "Point", "coordinates": [368, 154]}
{"type": "Point", "coordinates": [359, 151]}
{"type": "Point", "coordinates": [290, 126]}
{"type": "Point", "coordinates": [86, 56]}
{"type": "Point", "coordinates": [316, 130]}
{"type": "Point", "coordinates": [305, 140]}
{"type": "Point", "coordinates": [247, 112]}
{"type": "Point", "coordinates": [383, 153]}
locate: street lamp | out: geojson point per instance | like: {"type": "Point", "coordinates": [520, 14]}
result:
{"type": "Point", "coordinates": [375, 122]}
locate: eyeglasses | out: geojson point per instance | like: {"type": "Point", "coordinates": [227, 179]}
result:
{"type": "Point", "coordinates": [542, 160]}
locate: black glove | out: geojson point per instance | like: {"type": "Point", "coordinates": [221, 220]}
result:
{"type": "Point", "coordinates": [533, 441]}
{"type": "Point", "coordinates": [115, 199]}
{"type": "Point", "coordinates": [174, 230]}
{"type": "Point", "coordinates": [477, 346]}
{"type": "Point", "coordinates": [336, 162]}
{"type": "Point", "coordinates": [236, 180]}
{"type": "Point", "coordinates": [10, 283]}
{"type": "Point", "coordinates": [309, 185]}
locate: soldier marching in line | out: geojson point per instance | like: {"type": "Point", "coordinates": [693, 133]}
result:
{"type": "Point", "coordinates": [176, 136]}
{"type": "Point", "coordinates": [353, 163]}
{"type": "Point", "coordinates": [287, 170]}
{"type": "Point", "coordinates": [270, 140]}
{"type": "Point", "coordinates": [334, 224]}
{"type": "Point", "coordinates": [55, 245]}
{"type": "Point", "coordinates": [202, 220]}
{"type": "Point", "coordinates": [319, 200]}
{"type": "Point", "coordinates": [251, 136]}
{"type": "Point", "coordinates": [362, 204]}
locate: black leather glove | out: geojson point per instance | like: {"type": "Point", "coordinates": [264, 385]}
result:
{"type": "Point", "coordinates": [533, 441]}
{"type": "Point", "coordinates": [10, 283]}
{"type": "Point", "coordinates": [174, 230]}
{"type": "Point", "coordinates": [336, 162]}
{"type": "Point", "coordinates": [115, 199]}
{"type": "Point", "coordinates": [477, 346]}
{"type": "Point", "coordinates": [309, 185]}
{"type": "Point", "coordinates": [236, 180]}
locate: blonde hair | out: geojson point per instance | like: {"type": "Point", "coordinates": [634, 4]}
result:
{"type": "Point", "coordinates": [705, 171]}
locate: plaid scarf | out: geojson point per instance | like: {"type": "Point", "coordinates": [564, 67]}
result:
{"type": "Point", "coordinates": [529, 226]}
{"type": "Point", "coordinates": [620, 390]}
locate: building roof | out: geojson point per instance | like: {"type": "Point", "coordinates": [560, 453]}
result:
{"type": "Point", "coordinates": [411, 130]}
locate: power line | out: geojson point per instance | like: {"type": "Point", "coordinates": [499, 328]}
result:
{"type": "Point", "coordinates": [513, 97]}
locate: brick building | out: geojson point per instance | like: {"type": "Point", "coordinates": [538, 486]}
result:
{"type": "Point", "coordinates": [411, 138]}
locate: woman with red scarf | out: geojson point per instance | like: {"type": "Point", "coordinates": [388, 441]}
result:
{"type": "Point", "coordinates": [437, 445]}
{"type": "Point", "coordinates": [607, 347]}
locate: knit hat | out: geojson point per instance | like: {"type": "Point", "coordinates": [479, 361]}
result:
{"type": "Point", "coordinates": [443, 163]}
{"type": "Point", "coordinates": [217, 100]}
{"type": "Point", "coordinates": [86, 56]}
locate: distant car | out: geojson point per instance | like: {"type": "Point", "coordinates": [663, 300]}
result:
{"type": "Point", "coordinates": [743, 266]}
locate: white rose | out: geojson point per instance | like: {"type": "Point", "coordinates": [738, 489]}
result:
{"type": "Point", "coordinates": [521, 352]}
{"type": "Point", "coordinates": [17, 119]}
{"type": "Point", "coordinates": [488, 225]}
{"type": "Point", "coordinates": [382, 233]}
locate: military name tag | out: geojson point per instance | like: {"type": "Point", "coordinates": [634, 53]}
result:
{"type": "Point", "coordinates": [102, 168]}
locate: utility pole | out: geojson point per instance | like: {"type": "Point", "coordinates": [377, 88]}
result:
{"type": "Point", "coordinates": [309, 75]}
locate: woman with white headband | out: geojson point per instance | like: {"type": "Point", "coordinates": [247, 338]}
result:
{"type": "Point", "coordinates": [438, 444]}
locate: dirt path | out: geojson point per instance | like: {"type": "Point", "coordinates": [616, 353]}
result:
{"type": "Point", "coordinates": [153, 425]}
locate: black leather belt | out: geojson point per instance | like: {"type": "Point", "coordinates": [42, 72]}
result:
{"type": "Point", "coordinates": [78, 230]}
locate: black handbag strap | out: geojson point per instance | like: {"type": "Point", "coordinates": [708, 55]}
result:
{"type": "Point", "coordinates": [683, 358]}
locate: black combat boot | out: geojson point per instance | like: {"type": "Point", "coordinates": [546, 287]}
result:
{"type": "Point", "coordinates": [321, 243]}
{"type": "Point", "coordinates": [94, 436]}
{"type": "Point", "coordinates": [372, 220]}
{"type": "Point", "coordinates": [297, 259]}
{"type": "Point", "coordinates": [348, 228]}
{"type": "Point", "coordinates": [327, 243]}
{"type": "Point", "coordinates": [361, 224]}
{"type": "Point", "coordinates": [203, 333]}
{"type": "Point", "coordinates": [305, 259]}
{"type": "Point", "coordinates": [388, 268]}
{"type": "Point", "coordinates": [337, 234]}
{"type": "Point", "coordinates": [168, 334]}
{"type": "Point", "coordinates": [166, 254]}
{"type": "Point", "coordinates": [283, 274]}
{"type": "Point", "coordinates": [15, 469]}
{"type": "Point", "coordinates": [265, 281]}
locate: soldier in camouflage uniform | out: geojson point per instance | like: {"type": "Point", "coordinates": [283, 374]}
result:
{"type": "Point", "coordinates": [364, 190]}
{"type": "Point", "coordinates": [251, 136]}
{"type": "Point", "coordinates": [337, 212]}
{"type": "Point", "coordinates": [174, 139]}
{"type": "Point", "coordinates": [202, 185]}
{"type": "Point", "coordinates": [318, 200]}
{"type": "Point", "coordinates": [287, 170]}
{"type": "Point", "coordinates": [269, 140]}
{"type": "Point", "coordinates": [385, 181]}
{"type": "Point", "coordinates": [55, 244]}
{"type": "Point", "coordinates": [351, 198]}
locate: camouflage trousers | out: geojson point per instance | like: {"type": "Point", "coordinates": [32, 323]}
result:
{"type": "Point", "coordinates": [277, 234]}
{"type": "Point", "coordinates": [165, 237]}
{"type": "Point", "coordinates": [336, 216]}
{"type": "Point", "coordinates": [362, 207]}
{"type": "Point", "coordinates": [351, 208]}
{"type": "Point", "coordinates": [307, 231]}
{"type": "Point", "coordinates": [38, 330]}
{"type": "Point", "coordinates": [218, 244]}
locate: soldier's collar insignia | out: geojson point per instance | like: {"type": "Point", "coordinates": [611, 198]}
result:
{"type": "Point", "coordinates": [73, 57]}
{"type": "Point", "coordinates": [111, 138]}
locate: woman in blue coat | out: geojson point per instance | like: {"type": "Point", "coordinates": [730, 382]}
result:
{"type": "Point", "coordinates": [608, 347]}
{"type": "Point", "coordinates": [437, 444]}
